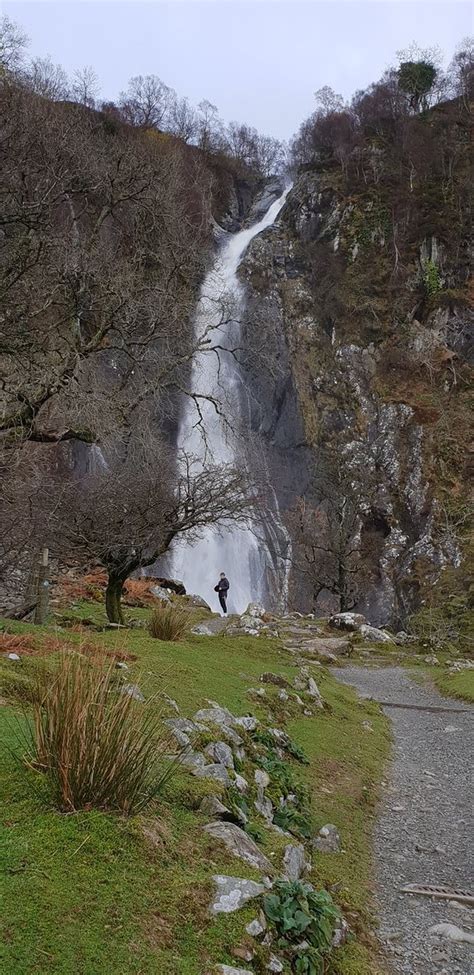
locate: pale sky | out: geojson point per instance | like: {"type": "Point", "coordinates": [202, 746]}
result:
{"type": "Point", "coordinates": [259, 62]}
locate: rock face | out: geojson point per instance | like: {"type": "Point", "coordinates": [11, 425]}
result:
{"type": "Point", "coordinates": [365, 353]}
{"type": "Point", "coordinates": [233, 892]}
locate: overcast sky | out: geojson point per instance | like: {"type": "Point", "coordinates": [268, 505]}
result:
{"type": "Point", "coordinates": [259, 62]}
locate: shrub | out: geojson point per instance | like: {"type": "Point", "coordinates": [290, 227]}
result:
{"type": "Point", "coordinates": [97, 747]}
{"type": "Point", "coordinates": [168, 622]}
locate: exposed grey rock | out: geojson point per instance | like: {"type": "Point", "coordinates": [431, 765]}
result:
{"type": "Point", "coordinates": [159, 593]}
{"type": "Point", "coordinates": [294, 861]}
{"type": "Point", "coordinates": [121, 665]}
{"type": "Point", "coordinates": [313, 691]}
{"type": "Point", "coordinates": [233, 892]}
{"type": "Point", "coordinates": [255, 610]}
{"type": "Point", "coordinates": [220, 753]}
{"type": "Point", "coordinates": [132, 690]}
{"type": "Point", "coordinates": [15, 656]}
{"type": "Point", "coordinates": [341, 933]}
{"type": "Point", "coordinates": [211, 627]}
{"type": "Point", "coordinates": [240, 783]}
{"type": "Point", "coordinates": [257, 927]}
{"type": "Point", "coordinates": [217, 772]}
{"type": "Point", "coordinates": [262, 778]}
{"type": "Point", "coordinates": [327, 840]}
{"type": "Point", "coordinates": [193, 760]}
{"type": "Point", "coordinates": [216, 715]}
{"type": "Point", "coordinates": [347, 621]}
{"type": "Point", "coordinates": [372, 633]}
{"type": "Point", "coordinates": [257, 691]}
{"type": "Point", "coordinates": [240, 844]}
{"type": "Point", "coordinates": [452, 933]}
{"type": "Point", "coordinates": [274, 964]}
{"type": "Point", "coordinates": [212, 806]}
{"type": "Point", "coordinates": [248, 722]}
{"type": "Point", "coordinates": [265, 807]}
{"type": "Point", "coordinates": [185, 725]}
{"type": "Point", "coordinates": [182, 739]}
{"type": "Point", "coordinates": [231, 970]}
{"type": "Point", "coordinates": [283, 695]}
{"type": "Point", "coordinates": [196, 600]}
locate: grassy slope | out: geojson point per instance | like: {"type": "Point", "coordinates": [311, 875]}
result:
{"type": "Point", "coordinates": [89, 894]}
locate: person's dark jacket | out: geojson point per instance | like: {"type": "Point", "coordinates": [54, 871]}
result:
{"type": "Point", "coordinates": [222, 585]}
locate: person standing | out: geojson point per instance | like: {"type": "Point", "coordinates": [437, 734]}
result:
{"type": "Point", "coordinates": [222, 589]}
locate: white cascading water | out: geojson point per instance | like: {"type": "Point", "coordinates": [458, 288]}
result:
{"type": "Point", "coordinates": [233, 550]}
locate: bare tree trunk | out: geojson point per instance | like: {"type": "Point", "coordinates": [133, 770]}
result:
{"type": "Point", "coordinates": [113, 598]}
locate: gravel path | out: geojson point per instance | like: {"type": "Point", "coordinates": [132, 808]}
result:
{"type": "Point", "coordinates": [424, 831]}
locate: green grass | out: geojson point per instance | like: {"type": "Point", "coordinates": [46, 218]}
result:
{"type": "Point", "coordinates": [459, 684]}
{"type": "Point", "coordinates": [89, 894]}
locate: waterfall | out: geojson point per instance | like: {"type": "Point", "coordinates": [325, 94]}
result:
{"type": "Point", "coordinates": [240, 551]}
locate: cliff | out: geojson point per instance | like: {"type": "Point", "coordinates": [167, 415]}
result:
{"type": "Point", "coordinates": [361, 295]}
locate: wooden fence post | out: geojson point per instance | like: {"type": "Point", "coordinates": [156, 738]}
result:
{"type": "Point", "coordinates": [42, 604]}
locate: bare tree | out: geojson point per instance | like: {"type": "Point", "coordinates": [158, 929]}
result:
{"type": "Point", "coordinates": [146, 102]}
{"type": "Point", "coordinates": [13, 42]}
{"type": "Point", "coordinates": [85, 86]}
{"type": "Point", "coordinates": [47, 79]}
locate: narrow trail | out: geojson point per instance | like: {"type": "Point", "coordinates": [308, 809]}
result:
{"type": "Point", "coordinates": [424, 830]}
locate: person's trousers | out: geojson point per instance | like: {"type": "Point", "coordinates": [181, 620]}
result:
{"type": "Point", "coordinates": [223, 601]}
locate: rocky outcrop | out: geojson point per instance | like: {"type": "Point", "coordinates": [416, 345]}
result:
{"type": "Point", "coordinates": [366, 335]}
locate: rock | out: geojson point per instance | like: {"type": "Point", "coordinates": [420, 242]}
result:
{"type": "Point", "coordinates": [338, 645]}
{"type": "Point", "coordinates": [185, 725]}
{"type": "Point", "coordinates": [132, 690]}
{"type": "Point", "coordinates": [294, 862]}
{"type": "Point", "coordinates": [210, 628]}
{"type": "Point", "coordinates": [15, 656]}
{"type": "Point", "coordinates": [212, 806]}
{"type": "Point", "coordinates": [248, 722]}
{"type": "Point", "coordinates": [341, 933]}
{"type": "Point", "coordinates": [372, 633]}
{"type": "Point", "coordinates": [230, 970]}
{"type": "Point", "coordinates": [257, 927]}
{"type": "Point", "coordinates": [220, 753]}
{"type": "Point", "coordinates": [452, 933]}
{"type": "Point", "coordinates": [193, 760]}
{"type": "Point", "coordinates": [402, 637]}
{"type": "Point", "coordinates": [243, 952]}
{"type": "Point", "coordinates": [255, 611]}
{"type": "Point", "coordinates": [240, 783]}
{"type": "Point", "coordinates": [257, 691]}
{"type": "Point", "coordinates": [431, 659]}
{"type": "Point", "coordinates": [198, 601]}
{"type": "Point", "coordinates": [262, 778]}
{"type": "Point", "coordinates": [367, 726]}
{"type": "Point", "coordinates": [216, 715]}
{"type": "Point", "coordinates": [182, 739]}
{"type": "Point", "coordinates": [299, 684]}
{"type": "Point", "coordinates": [239, 844]}
{"type": "Point", "coordinates": [283, 695]}
{"type": "Point", "coordinates": [233, 892]}
{"type": "Point", "coordinates": [347, 621]}
{"type": "Point", "coordinates": [217, 772]}
{"type": "Point", "coordinates": [274, 964]}
{"type": "Point", "coordinates": [120, 665]}
{"type": "Point", "coordinates": [159, 593]}
{"type": "Point", "coordinates": [264, 806]}
{"type": "Point", "coordinates": [313, 691]}
{"type": "Point", "coordinates": [327, 840]}
{"type": "Point", "coordinates": [269, 678]}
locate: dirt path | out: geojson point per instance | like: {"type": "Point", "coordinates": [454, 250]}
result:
{"type": "Point", "coordinates": [424, 832]}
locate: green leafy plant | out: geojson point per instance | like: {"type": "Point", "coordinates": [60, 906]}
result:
{"type": "Point", "coordinates": [97, 748]}
{"type": "Point", "coordinates": [265, 737]}
{"type": "Point", "coordinates": [300, 913]}
{"type": "Point", "coordinates": [168, 622]}
{"type": "Point", "coordinates": [292, 821]}
{"type": "Point", "coordinates": [279, 772]}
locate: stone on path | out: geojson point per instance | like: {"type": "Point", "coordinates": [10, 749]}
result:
{"type": "Point", "coordinates": [239, 844]}
{"type": "Point", "coordinates": [452, 933]}
{"type": "Point", "coordinates": [233, 892]}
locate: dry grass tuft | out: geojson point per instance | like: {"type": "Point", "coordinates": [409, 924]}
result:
{"type": "Point", "coordinates": [168, 622]}
{"type": "Point", "coordinates": [98, 748]}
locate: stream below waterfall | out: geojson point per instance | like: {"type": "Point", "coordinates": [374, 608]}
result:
{"type": "Point", "coordinates": [212, 436]}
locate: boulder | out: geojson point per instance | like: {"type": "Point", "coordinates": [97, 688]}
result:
{"type": "Point", "coordinates": [347, 621]}
{"type": "Point", "coordinates": [217, 772]}
{"type": "Point", "coordinates": [198, 601]}
{"type": "Point", "coordinates": [211, 627]}
{"type": "Point", "coordinates": [185, 725]}
{"type": "Point", "coordinates": [247, 722]}
{"type": "Point", "coordinates": [274, 965]}
{"type": "Point", "coordinates": [212, 806]}
{"type": "Point", "coordinates": [327, 840]}
{"type": "Point", "coordinates": [255, 611]}
{"type": "Point", "coordinates": [257, 927]}
{"type": "Point", "coordinates": [193, 760]}
{"type": "Point", "coordinates": [452, 933]}
{"type": "Point", "coordinates": [220, 753]}
{"type": "Point", "coordinates": [294, 862]}
{"type": "Point", "coordinates": [277, 679]}
{"type": "Point", "coordinates": [159, 593]}
{"type": "Point", "coordinates": [372, 633]}
{"type": "Point", "coordinates": [233, 892]}
{"type": "Point", "coordinates": [338, 645]}
{"type": "Point", "coordinates": [239, 844]}
{"type": "Point", "coordinates": [231, 970]}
